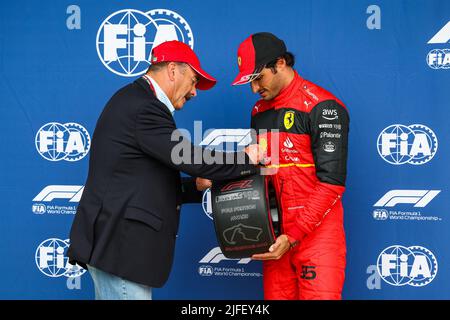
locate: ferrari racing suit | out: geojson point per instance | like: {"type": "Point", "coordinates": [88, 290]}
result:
{"type": "Point", "coordinates": [305, 130]}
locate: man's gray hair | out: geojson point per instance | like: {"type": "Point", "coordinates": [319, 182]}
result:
{"type": "Point", "coordinates": [160, 66]}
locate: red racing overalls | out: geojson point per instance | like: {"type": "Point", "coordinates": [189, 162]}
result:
{"type": "Point", "coordinates": [306, 138]}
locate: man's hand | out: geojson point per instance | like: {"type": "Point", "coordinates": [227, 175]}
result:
{"type": "Point", "coordinates": [276, 251]}
{"type": "Point", "coordinates": [203, 184]}
{"type": "Point", "coordinates": [256, 153]}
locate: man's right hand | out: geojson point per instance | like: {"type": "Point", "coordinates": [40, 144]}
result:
{"type": "Point", "coordinates": [203, 184]}
{"type": "Point", "coordinates": [256, 153]}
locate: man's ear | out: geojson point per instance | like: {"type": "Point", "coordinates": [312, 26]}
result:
{"type": "Point", "coordinates": [171, 70]}
{"type": "Point", "coordinates": [281, 64]}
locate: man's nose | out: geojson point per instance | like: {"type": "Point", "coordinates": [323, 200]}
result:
{"type": "Point", "coordinates": [194, 92]}
{"type": "Point", "coordinates": [255, 86]}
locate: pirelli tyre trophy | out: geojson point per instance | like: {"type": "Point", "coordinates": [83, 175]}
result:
{"type": "Point", "coordinates": [246, 216]}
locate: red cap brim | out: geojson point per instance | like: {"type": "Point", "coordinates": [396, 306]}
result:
{"type": "Point", "coordinates": [206, 81]}
{"type": "Point", "coordinates": [245, 77]}
{"type": "Point", "coordinates": [242, 78]}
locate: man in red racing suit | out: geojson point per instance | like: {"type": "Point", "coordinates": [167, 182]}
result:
{"type": "Point", "coordinates": [305, 129]}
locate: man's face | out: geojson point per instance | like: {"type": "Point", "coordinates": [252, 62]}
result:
{"type": "Point", "coordinates": [268, 84]}
{"type": "Point", "coordinates": [185, 85]}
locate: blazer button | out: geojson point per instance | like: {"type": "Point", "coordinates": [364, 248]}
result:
{"type": "Point", "coordinates": [178, 207]}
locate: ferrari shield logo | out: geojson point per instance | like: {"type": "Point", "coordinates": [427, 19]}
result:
{"type": "Point", "coordinates": [289, 119]}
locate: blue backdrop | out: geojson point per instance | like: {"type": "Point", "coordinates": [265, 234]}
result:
{"type": "Point", "coordinates": [387, 60]}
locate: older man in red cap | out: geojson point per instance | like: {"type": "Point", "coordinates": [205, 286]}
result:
{"type": "Point", "coordinates": [126, 223]}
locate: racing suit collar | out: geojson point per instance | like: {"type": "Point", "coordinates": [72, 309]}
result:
{"type": "Point", "coordinates": [287, 93]}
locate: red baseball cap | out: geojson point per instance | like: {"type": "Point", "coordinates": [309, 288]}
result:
{"type": "Point", "coordinates": [176, 51]}
{"type": "Point", "coordinates": [254, 53]}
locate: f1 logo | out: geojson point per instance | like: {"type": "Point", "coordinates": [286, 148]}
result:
{"type": "Point", "coordinates": [443, 35]}
{"type": "Point", "coordinates": [420, 198]}
{"type": "Point", "coordinates": [215, 256]}
{"type": "Point", "coordinates": [49, 193]}
{"type": "Point", "coordinates": [244, 184]}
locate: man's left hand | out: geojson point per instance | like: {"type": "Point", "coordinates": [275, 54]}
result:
{"type": "Point", "coordinates": [276, 251]}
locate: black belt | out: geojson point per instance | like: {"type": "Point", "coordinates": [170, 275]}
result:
{"type": "Point", "coordinates": [246, 215]}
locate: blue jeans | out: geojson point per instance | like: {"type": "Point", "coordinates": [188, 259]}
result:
{"type": "Point", "coordinates": [111, 287]}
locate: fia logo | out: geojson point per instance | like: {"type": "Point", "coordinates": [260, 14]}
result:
{"type": "Point", "coordinates": [399, 266]}
{"type": "Point", "coordinates": [399, 144]}
{"type": "Point", "coordinates": [126, 38]}
{"type": "Point", "coordinates": [69, 141]}
{"type": "Point", "coordinates": [51, 259]}
{"type": "Point", "coordinates": [380, 214]}
{"type": "Point", "coordinates": [440, 58]}
{"type": "Point", "coordinates": [39, 208]}
{"type": "Point", "coordinates": [205, 270]}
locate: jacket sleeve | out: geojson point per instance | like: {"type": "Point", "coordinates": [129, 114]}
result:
{"type": "Point", "coordinates": [328, 128]}
{"type": "Point", "coordinates": [158, 137]}
{"type": "Point", "coordinates": [190, 194]}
